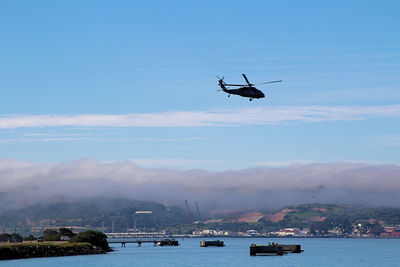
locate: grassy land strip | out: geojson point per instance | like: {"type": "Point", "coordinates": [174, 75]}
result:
{"type": "Point", "coordinates": [46, 249]}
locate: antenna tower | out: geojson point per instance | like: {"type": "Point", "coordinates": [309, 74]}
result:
{"type": "Point", "coordinates": [198, 212]}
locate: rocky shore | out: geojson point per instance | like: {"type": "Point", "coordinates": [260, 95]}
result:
{"type": "Point", "coordinates": [47, 249]}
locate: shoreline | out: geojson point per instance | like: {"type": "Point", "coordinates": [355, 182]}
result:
{"type": "Point", "coordinates": [46, 249]}
{"type": "Point", "coordinates": [258, 237]}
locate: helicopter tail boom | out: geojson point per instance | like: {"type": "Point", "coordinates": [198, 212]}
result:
{"type": "Point", "coordinates": [221, 83]}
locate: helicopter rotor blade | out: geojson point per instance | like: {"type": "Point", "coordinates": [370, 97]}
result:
{"type": "Point", "coordinates": [270, 82]}
{"type": "Point", "coordinates": [244, 76]}
{"type": "Point", "coordinates": [235, 84]}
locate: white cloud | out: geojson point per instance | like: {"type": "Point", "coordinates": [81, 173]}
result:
{"type": "Point", "coordinates": [233, 117]}
{"type": "Point", "coordinates": [175, 163]}
{"type": "Point", "coordinates": [42, 137]}
{"type": "Point", "coordinates": [383, 140]}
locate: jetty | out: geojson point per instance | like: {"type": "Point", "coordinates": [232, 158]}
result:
{"type": "Point", "coordinates": [273, 249]}
{"type": "Point", "coordinates": [214, 243]}
{"type": "Point", "coordinates": [46, 249]}
{"type": "Point", "coordinates": [156, 242]}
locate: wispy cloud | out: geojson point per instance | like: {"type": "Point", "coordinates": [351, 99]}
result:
{"type": "Point", "coordinates": [383, 140]}
{"type": "Point", "coordinates": [43, 137]}
{"type": "Point", "coordinates": [47, 139]}
{"type": "Point", "coordinates": [175, 163]}
{"type": "Point", "coordinates": [230, 117]}
{"type": "Point", "coordinates": [38, 137]}
{"type": "Point", "coordinates": [282, 163]}
{"type": "Point", "coordinates": [149, 139]}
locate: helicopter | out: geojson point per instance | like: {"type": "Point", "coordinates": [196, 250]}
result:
{"type": "Point", "coordinates": [245, 90]}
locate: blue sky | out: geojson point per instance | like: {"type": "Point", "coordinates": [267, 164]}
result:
{"type": "Point", "coordinates": [135, 80]}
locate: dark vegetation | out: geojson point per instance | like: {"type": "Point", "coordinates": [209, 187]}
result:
{"type": "Point", "coordinates": [10, 238]}
{"type": "Point", "coordinates": [95, 238]}
{"type": "Point", "coordinates": [94, 213]}
{"type": "Point", "coordinates": [54, 235]}
{"type": "Point", "coordinates": [83, 243]}
{"type": "Point", "coordinates": [46, 249]}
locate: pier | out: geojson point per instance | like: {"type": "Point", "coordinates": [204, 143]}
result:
{"type": "Point", "coordinates": [156, 242]}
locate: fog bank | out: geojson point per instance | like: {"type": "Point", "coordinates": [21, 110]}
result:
{"type": "Point", "coordinates": [23, 182]}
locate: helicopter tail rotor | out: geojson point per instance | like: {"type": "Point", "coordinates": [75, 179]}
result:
{"type": "Point", "coordinates": [221, 83]}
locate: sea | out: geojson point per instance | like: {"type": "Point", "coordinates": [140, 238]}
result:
{"type": "Point", "coordinates": [317, 252]}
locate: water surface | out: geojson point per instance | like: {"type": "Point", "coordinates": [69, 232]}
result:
{"type": "Point", "coordinates": [317, 252]}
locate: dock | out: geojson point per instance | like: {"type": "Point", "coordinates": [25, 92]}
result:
{"type": "Point", "coordinates": [156, 242]}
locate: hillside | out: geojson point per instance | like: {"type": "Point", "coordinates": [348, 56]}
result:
{"type": "Point", "coordinates": [315, 216]}
{"type": "Point", "coordinates": [308, 213]}
{"type": "Point", "coordinates": [118, 215]}
{"type": "Point", "coordinates": [94, 213]}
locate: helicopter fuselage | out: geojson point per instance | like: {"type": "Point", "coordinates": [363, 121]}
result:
{"type": "Point", "coordinates": [246, 91]}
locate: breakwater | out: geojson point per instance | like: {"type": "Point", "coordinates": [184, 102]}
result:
{"type": "Point", "coordinates": [47, 249]}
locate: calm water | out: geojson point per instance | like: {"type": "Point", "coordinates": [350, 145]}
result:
{"type": "Point", "coordinates": [317, 252]}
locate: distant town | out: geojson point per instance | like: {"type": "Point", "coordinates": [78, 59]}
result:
{"type": "Point", "coordinates": [358, 231]}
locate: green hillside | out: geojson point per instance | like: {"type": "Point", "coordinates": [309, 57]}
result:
{"type": "Point", "coordinates": [337, 213]}
{"type": "Point", "coordinates": [119, 214]}
{"type": "Point", "coordinates": [95, 213]}
{"type": "Point", "coordinates": [317, 217]}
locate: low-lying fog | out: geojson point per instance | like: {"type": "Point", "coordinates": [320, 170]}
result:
{"type": "Point", "coordinates": [25, 182]}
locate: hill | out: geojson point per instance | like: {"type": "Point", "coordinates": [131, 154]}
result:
{"type": "Point", "coordinates": [94, 213]}
{"type": "Point", "coordinates": [320, 217]}
{"type": "Point", "coordinates": [118, 215]}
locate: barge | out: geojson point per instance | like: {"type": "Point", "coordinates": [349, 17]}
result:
{"type": "Point", "coordinates": [168, 242]}
{"type": "Point", "coordinates": [214, 243]}
{"type": "Point", "coordinates": [273, 249]}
